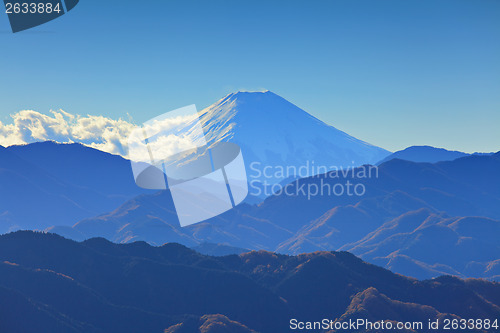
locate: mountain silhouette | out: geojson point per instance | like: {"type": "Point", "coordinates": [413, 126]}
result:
{"type": "Point", "coordinates": [99, 286]}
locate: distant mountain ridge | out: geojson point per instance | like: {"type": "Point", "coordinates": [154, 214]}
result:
{"type": "Point", "coordinates": [80, 193]}
{"type": "Point", "coordinates": [47, 183]}
{"type": "Point", "coordinates": [97, 286]}
{"type": "Point", "coordinates": [427, 154]}
{"type": "Point", "coordinates": [409, 206]}
{"type": "Point", "coordinates": [271, 131]}
{"type": "Point", "coordinates": [433, 244]}
{"type": "Point", "coordinates": [79, 165]}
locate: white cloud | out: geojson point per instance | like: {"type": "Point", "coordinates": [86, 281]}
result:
{"type": "Point", "coordinates": [175, 133]}
{"type": "Point", "coordinates": [99, 132]}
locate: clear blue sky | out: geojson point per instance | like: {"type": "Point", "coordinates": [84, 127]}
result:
{"type": "Point", "coordinates": [393, 73]}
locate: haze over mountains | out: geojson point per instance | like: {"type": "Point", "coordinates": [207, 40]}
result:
{"type": "Point", "coordinates": [408, 211]}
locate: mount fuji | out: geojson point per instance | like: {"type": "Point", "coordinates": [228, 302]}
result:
{"type": "Point", "coordinates": [276, 134]}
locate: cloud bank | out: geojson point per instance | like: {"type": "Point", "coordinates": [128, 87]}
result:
{"type": "Point", "coordinates": [98, 132]}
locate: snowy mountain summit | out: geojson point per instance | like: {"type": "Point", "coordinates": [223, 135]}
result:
{"type": "Point", "coordinates": [281, 141]}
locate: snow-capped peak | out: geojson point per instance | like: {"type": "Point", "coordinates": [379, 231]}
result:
{"type": "Point", "coordinates": [275, 133]}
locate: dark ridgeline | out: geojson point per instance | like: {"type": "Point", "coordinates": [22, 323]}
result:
{"type": "Point", "coordinates": [51, 284]}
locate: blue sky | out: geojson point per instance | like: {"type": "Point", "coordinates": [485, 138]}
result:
{"type": "Point", "coordinates": [393, 73]}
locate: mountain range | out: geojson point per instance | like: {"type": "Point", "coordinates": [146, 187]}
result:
{"type": "Point", "coordinates": [98, 286]}
{"type": "Point", "coordinates": [408, 213]}
{"type": "Point", "coordinates": [59, 184]}
{"type": "Point", "coordinates": [427, 154]}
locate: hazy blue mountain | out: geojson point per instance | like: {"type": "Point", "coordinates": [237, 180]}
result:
{"type": "Point", "coordinates": [342, 225]}
{"type": "Point", "coordinates": [76, 164]}
{"type": "Point", "coordinates": [34, 198]}
{"type": "Point", "coordinates": [90, 182]}
{"type": "Point", "coordinates": [46, 184]}
{"type": "Point", "coordinates": [152, 218]}
{"type": "Point", "coordinates": [468, 186]}
{"type": "Point", "coordinates": [424, 154]}
{"type": "Point", "coordinates": [428, 154]}
{"type": "Point", "coordinates": [98, 286]}
{"type": "Point", "coordinates": [431, 244]}
{"type": "Point", "coordinates": [447, 190]}
{"type": "Point", "coordinates": [39, 195]}
{"type": "Point", "coordinates": [405, 194]}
